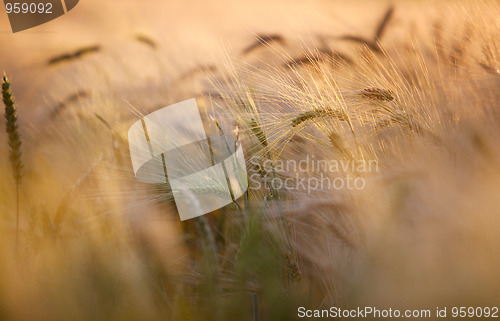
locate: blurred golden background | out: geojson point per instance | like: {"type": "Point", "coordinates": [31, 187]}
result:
{"type": "Point", "coordinates": [412, 85]}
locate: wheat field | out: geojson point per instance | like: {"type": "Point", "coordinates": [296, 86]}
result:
{"type": "Point", "coordinates": [400, 99]}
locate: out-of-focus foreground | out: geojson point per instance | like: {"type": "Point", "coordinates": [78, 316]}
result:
{"type": "Point", "coordinates": [411, 87]}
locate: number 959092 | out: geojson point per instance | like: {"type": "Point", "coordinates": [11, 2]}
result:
{"type": "Point", "coordinates": [32, 7]}
{"type": "Point", "coordinates": [471, 312]}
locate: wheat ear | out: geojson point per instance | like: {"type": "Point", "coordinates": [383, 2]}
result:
{"type": "Point", "coordinates": [14, 138]}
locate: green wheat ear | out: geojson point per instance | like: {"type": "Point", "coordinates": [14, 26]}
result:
{"type": "Point", "coordinates": [14, 143]}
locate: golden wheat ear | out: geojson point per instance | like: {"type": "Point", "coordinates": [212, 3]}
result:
{"type": "Point", "coordinates": [379, 94]}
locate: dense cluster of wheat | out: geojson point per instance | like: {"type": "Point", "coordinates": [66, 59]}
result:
{"type": "Point", "coordinates": [95, 244]}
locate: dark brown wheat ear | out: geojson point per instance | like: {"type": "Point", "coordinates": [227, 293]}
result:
{"type": "Point", "coordinates": [14, 138]}
{"type": "Point", "coordinates": [146, 40]}
{"type": "Point", "coordinates": [73, 55]}
{"type": "Point", "coordinates": [263, 40]}
{"type": "Point", "coordinates": [374, 43]}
